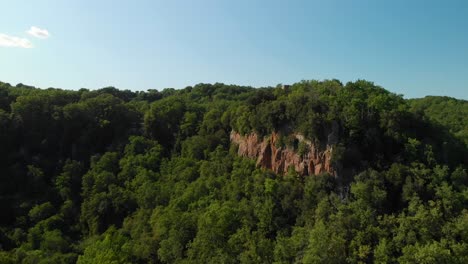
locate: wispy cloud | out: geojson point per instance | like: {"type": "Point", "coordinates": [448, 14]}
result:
{"type": "Point", "coordinates": [11, 41]}
{"type": "Point", "coordinates": [38, 32]}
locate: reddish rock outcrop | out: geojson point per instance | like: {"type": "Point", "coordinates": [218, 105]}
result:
{"type": "Point", "coordinates": [278, 159]}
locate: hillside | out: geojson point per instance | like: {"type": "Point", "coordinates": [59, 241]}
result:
{"type": "Point", "coordinates": [448, 112]}
{"type": "Point", "coordinates": [315, 172]}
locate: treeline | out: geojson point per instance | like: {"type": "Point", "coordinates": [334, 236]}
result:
{"type": "Point", "coordinates": [116, 176]}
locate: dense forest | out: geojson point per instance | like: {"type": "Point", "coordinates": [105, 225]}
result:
{"type": "Point", "coordinates": [117, 176]}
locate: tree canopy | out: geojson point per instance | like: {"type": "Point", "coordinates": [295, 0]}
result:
{"type": "Point", "coordinates": [112, 176]}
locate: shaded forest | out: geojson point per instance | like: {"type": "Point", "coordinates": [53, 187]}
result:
{"type": "Point", "coordinates": [116, 176]}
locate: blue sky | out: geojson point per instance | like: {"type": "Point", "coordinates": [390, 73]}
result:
{"type": "Point", "coordinates": [414, 48]}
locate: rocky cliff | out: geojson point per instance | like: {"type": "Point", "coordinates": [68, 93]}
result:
{"type": "Point", "coordinates": [269, 154]}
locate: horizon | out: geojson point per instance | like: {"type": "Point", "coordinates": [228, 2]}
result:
{"type": "Point", "coordinates": [233, 84]}
{"type": "Point", "coordinates": [414, 49]}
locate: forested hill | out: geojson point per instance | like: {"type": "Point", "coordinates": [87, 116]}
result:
{"type": "Point", "coordinates": [449, 112]}
{"type": "Point", "coordinates": [116, 176]}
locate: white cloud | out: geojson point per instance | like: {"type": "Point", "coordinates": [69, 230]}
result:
{"type": "Point", "coordinates": [11, 41]}
{"type": "Point", "coordinates": [38, 32]}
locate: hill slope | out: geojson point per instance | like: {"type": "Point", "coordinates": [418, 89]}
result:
{"type": "Point", "coordinates": [112, 176]}
{"type": "Point", "coordinates": [449, 112]}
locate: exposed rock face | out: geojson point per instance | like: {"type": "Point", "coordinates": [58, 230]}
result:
{"type": "Point", "coordinates": [278, 159]}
